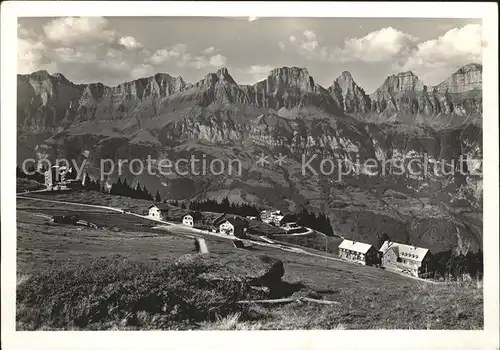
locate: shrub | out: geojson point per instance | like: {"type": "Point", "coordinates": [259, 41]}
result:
{"type": "Point", "coordinates": [109, 293]}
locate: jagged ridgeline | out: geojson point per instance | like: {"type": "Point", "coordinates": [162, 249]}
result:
{"type": "Point", "coordinates": [51, 102]}
{"type": "Point", "coordinates": [288, 113]}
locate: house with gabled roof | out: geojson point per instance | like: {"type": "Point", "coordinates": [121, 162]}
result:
{"type": "Point", "coordinates": [234, 226]}
{"type": "Point", "coordinates": [405, 258]}
{"type": "Point", "coordinates": [362, 253]}
{"type": "Point", "coordinates": [158, 211]}
{"type": "Point", "coordinates": [188, 220]}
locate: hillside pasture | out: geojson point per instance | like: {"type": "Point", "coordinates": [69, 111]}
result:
{"type": "Point", "coordinates": [369, 298]}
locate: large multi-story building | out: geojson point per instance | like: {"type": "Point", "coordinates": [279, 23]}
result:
{"type": "Point", "coordinates": [271, 217]}
{"type": "Point", "coordinates": [405, 258]}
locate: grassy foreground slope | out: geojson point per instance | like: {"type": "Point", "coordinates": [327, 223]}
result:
{"type": "Point", "coordinates": [116, 277]}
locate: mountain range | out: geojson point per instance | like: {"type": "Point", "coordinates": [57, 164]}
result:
{"type": "Point", "coordinates": [52, 102]}
{"type": "Point", "coordinates": [287, 113]}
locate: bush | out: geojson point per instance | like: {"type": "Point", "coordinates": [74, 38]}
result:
{"type": "Point", "coordinates": [118, 293]}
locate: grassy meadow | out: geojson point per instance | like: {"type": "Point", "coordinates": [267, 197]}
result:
{"type": "Point", "coordinates": [124, 275]}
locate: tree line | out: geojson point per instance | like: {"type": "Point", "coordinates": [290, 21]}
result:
{"type": "Point", "coordinates": [121, 188]}
{"type": "Point", "coordinates": [139, 192]}
{"type": "Point", "coordinates": [448, 264]}
{"type": "Point", "coordinates": [224, 206]}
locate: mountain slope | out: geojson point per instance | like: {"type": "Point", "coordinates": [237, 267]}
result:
{"type": "Point", "coordinates": [289, 114]}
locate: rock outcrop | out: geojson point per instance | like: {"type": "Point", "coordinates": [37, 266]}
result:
{"type": "Point", "coordinates": [405, 95]}
{"type": "Point", "coordinates": [349, 96]}
{"type": "Point", "coordinates": [53, 103]}
{"type": "Point", "coordinates": [256, 276]}
{"type": "Point", "coordinates": [465, 79]}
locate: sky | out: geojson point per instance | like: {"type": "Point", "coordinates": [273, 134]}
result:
{"type": "Point", "coordinates": [112, 50]}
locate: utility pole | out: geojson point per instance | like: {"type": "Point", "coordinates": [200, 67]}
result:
{"type": "Point", "coordinates": [326, 250]}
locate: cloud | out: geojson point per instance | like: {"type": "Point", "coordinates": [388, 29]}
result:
{"type": "Point", "coordinates": [24, 33]}
{"type": "Point", "coordinates": [217, 60]}
{"type": "Point", "coordinates": [433, 59]}
{"type": "Point", "coordinates": [183, 58]}
{"type": "Point", "coordinates": [385, 44]}
{"type": "Point", "coordinates": [83, 49]}
{"type": "Point", "coordinates": [29, 55]}
{"type": "Point", "coordinates": [162, 55]}
{"type": "Point", "coordinates": [382, 45]}
{"type": "Point", "coordinates": [281, 45]}
{"type": "Point", "coordinates": [252, 74]}
{"type": "Point", "coordinates": [142, 70]}
{"type": "Point", "coordinates": [309, 46]}
{"type": "Point", "coordinates": [309, 35]}
{"type": "Point", "coordinates": [74, 30]}
{"type": "Point", "coordinates": [257, 69]}
{"type": "Point", "coordinates": [89, 50]}
{"type": "Point", "coordinates": [200, 62]}
{"type": "Point", "coordinates": [70, 55]}
{"type": "Point", "coordinates": [209, 50]}
{"type": "Point", "coordinates": [129, 43]}
{"type": "Point", "coordinates": [465, 42]}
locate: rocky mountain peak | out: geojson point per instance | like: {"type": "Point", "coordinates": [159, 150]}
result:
{"type": "Point", "coordinates": [404, 81]}
{"type": "Point", "coordinates": [349, 95]}
{"type": "Point", "coordinates": [346, 75]}
{"type": "Point", "coordinates": [40, 75]}
{"type": "Point", "coordinates": [402, 94]}
{"type": "Point", "coordinates": [471, 67]}
{"type": "Point", "coordinates": [164, 76]}
{"type": "Point", "coordinates": [59, 77]}
{"type": "Point", "coordinates": [467, 78]}
{"type": "Point", "coordinates": [345, 82]}
{"type": "Point", "coordinates": [290, 77]}
{"type": "Point", "coordinates": [223, 76]}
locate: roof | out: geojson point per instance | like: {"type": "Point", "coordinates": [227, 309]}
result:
{"type": "Point", "coordinates": [161, 206]}
{"type": "Point", "coordinates": [214, 218]}
{"type": "Point", "coordinates": [236, 222]}
{"type": "Point", "coordinates": [355, 246]}
{"type": "Point", "coordinates": [404, 250]}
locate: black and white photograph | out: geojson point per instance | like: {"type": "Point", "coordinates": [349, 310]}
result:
{"type": "Point", "coordinates": [246, 172]}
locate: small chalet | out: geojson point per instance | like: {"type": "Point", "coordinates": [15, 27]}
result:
{"type": "Point", "coordinates": [188, 220]}
{"type": "Point", "coordinates": [158, 211]}
{"type": "Point", "coordinates": [362, 253]}
{"type": "Point", "coordinates": [405, 258]}
{"type": "Point", "coordinates": [234, 227]}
